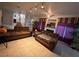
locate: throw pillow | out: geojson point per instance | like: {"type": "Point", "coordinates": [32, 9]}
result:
{"type": "Point", "coordinates": [3, 30]}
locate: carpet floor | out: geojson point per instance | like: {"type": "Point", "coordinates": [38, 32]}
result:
{"type": "Point", "coordinates": [26, 47]}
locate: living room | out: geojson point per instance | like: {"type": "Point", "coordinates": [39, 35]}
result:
{"type": "Point", "coordinates": [48, 27]}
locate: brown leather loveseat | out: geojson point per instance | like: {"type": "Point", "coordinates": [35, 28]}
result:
{"type": "Point", "coordinates": [47, 39]}
{"type": "Point", "coordinates": [17, 33]}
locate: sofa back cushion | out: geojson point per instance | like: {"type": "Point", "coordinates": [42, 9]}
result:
{"type": "Point", "coordinates": [21, 29]}
{"type": "Point", "coordinates": [48, 33]}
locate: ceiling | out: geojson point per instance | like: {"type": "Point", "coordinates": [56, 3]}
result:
{"type": "Point", "coordinates": [51, 8]}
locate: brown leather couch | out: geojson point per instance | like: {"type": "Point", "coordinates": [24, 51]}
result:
{"type": "Point", "coordinates": [17, 33]}
{"type": "Point", "coordinates": [49, 40]}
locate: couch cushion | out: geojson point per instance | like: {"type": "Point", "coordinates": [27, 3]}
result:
{"type": "Point", "coordinates": [22, 33]}
{"type": "Point", "coordinates": [44, 36]}
{"type": "Point", "coordinates": [21, 29]}
{"type": "Point", "coordinates": [14, 33]}
{"type": "Point", "coordinates": [47, 38]}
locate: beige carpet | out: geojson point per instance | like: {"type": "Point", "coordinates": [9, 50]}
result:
{"type": "Point", "coordinates": [25, 47]}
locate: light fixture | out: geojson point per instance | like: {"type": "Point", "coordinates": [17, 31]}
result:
{"type": "Point", "coordinates": [42, 6]}
{"type": "Point", "coordinates": [36, 7]}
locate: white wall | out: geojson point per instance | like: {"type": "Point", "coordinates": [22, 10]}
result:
{"type": "Point", "coordinates": [22, 17]}
{"type": "Point", "coordinates": [7, 19]}
{"type": "Point", "coordinates": [28, 22]}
